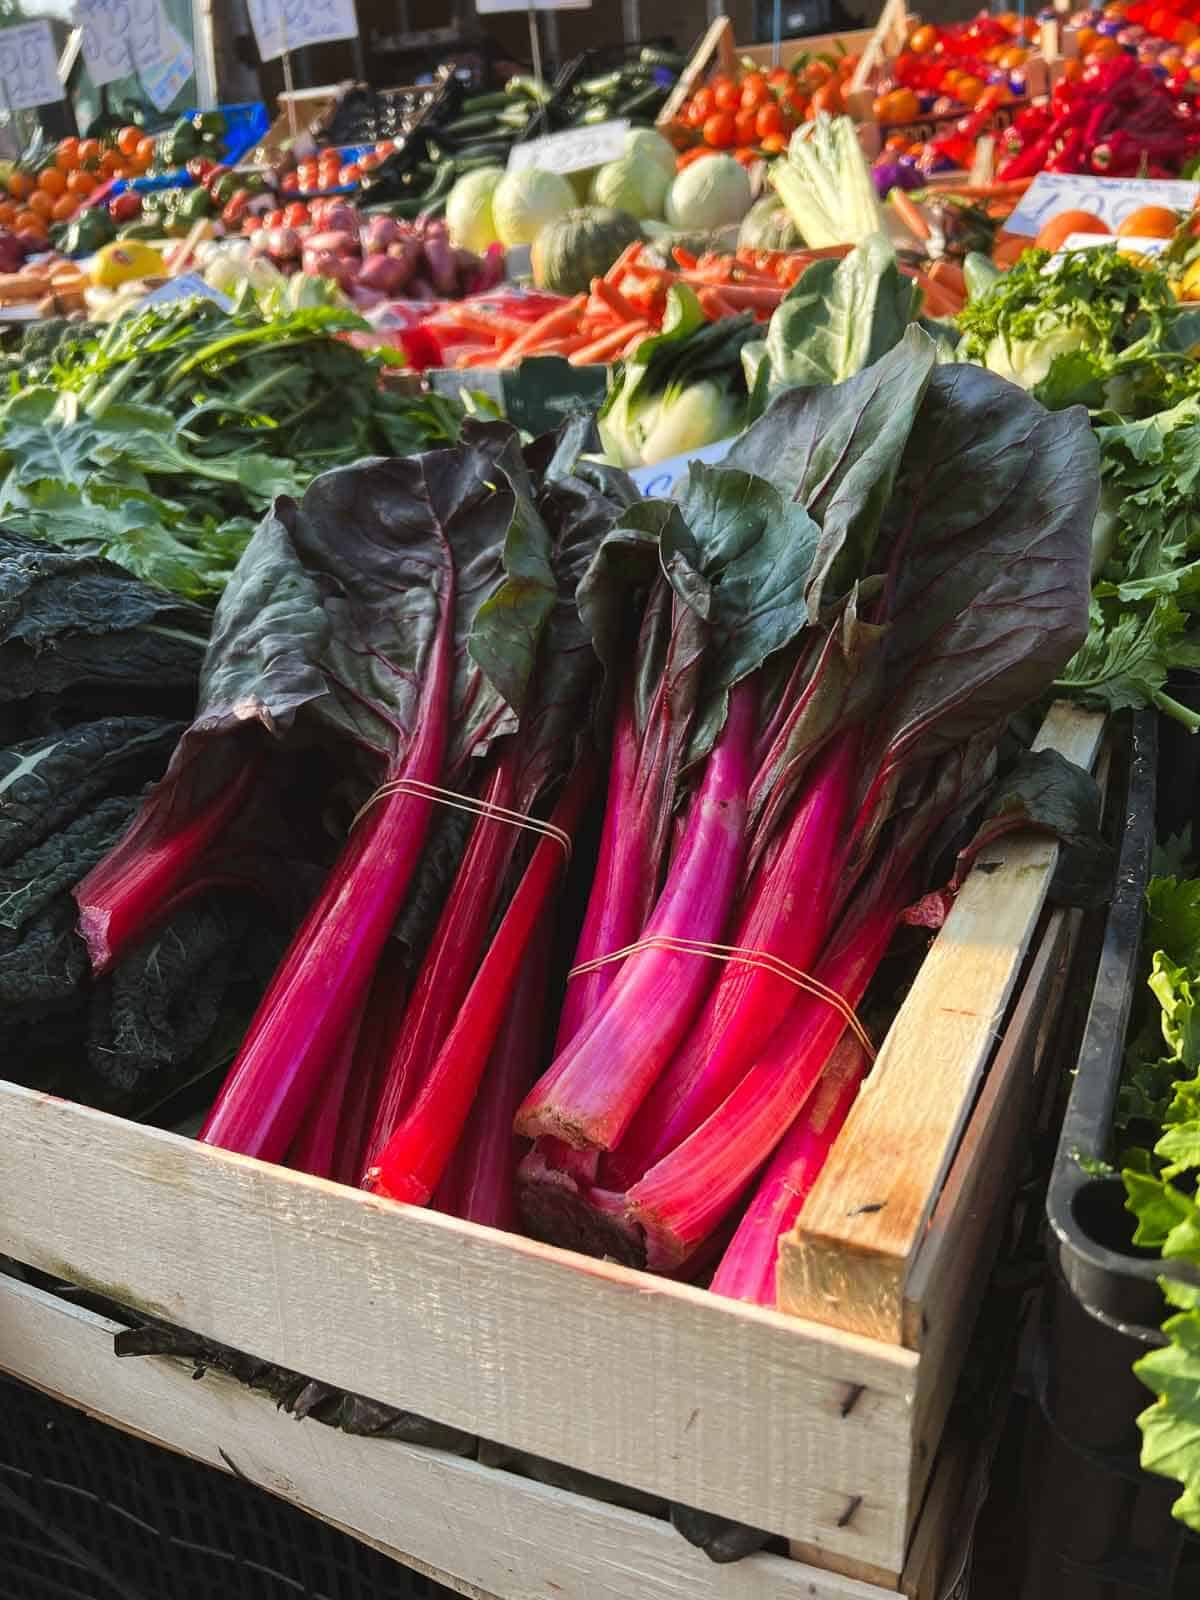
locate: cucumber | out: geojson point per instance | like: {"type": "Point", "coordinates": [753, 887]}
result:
{"type": "Point", "coordinates": [496, 150]}
{"type": "Point", "coordinates": [444, 181]}
{"type": "Point", "coordinates": [650, 57]}
{"type": "Point", "coordinates": [608, 84]}
{"type": "Point", "coordinates": [600, 112]}
{"type": "Point", "coordinates": [479, 122]}
{"type": "Point", "coordinates": [498, 100]}
{"type": "Point", "coordinates": [529, 87]}
{"type": "Point", "coordinates": [642, 101]}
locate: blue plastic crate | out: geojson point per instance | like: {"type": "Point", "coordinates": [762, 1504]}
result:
{"type": "Point", "coordinates": [245, 125]}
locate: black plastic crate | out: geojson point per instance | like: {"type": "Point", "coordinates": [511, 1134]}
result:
{"type": "Point", "coordinates": [1099, 1528]}
{"type": "Point", "coordinates": [90, 1513]}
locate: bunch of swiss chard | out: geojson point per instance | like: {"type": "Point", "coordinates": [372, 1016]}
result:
{"type": "Point", "coordinates": [160, 440]}
{"type": "Point", "coordinates": [409, 627]}
{"type": "Point", "coordinates": [98, 675]}
{"type": "Point", "coordinates": [1160, 1096]}
{"type": "Point", "coordinates": [1099, 330]}
{"type": "Point", "coordinates": [814, 653]}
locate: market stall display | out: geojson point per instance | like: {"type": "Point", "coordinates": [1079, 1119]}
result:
{"type": "Point", "coordinates": [543, 892]}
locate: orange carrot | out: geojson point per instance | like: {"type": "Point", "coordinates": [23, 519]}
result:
{"type": "Point", "coordinates": [756, 295]}
{"type": "Point", "coordinates": [909, 214]}
{"type": "Point", "coordinates": [714, 304]}
{"type": "Point", "coordinates": [625, 260]}
{"type": "Point", "coordinates": [604, 348]}
{"type": "Point", "coordinates": [614, 300]}
{"type": "Point", "coordinates": [949, 275]}
{"type": "Point", "coordinates": [562, 320]}
{"type": "Point", "coordinates": [493, 324]}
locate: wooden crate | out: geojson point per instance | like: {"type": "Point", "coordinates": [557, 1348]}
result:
{"type": "Point", "coordinates": [822, 1428]}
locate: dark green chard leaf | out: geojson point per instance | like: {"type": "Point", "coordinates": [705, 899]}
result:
{"type": "Point", "coordinates": [840, 317]}
{"type": "Point", "coordinates": [837, 452]}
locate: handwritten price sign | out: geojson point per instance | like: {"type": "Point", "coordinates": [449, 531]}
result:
{"type": "Point", "coordinates": [28, 67]}
{"type": "Point", "coordinates": [1110, 199]}
{"type": "Point", "coordinates": [281, 26]}
{"type": "Point", "coordinates": [573, 151]}
{"type": "Point", "coordinates": [165, 81]}
{"type": "Point", "coordinates": [123, 38]}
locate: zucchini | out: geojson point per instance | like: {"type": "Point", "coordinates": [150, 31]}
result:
{"type": "Point", "coordinates": [642, 101]}
{"type": "Point", "coordinates": [600, 112]}
{"type": "Point", "coordinates": [495, 150]}
{"type": "Point", "coordinates": [608, 84]}
{"type": "Point", "coordinates": [650, 57]}
{"type": "Point", "coordinates": [531, 88]}
{"type": "Point", "coordinates": [479, 122]}
{"type": "Point", "coordinates": [498, 100]}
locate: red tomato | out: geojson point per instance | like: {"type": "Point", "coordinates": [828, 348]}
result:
{"type": "Point", "coordinates": [307, 173]}
{"type": "Point", "coordinates": [720, 131]}
{"type": "Point", "coordinates": [704, 103]}
{"type": "Point", "coordinates": [744, 127]}
{"type": "Point", "coordinates": [296, 215]}
{"type": "Point", "coordinates": [385, 147]}
{"type": "Point", "coordinates": [769, 119]}
{"type": "Point", "coordinates": [274, 219]}
{"type": "Point", "coordinates": [125, 207]}
{"type": "Point", "coordinates": [727, 96]}
{"type": "Point", "coordinates": [350, 174]}
{"type": "Point", "coordinates": [755, 92]}
{"type": "Point", "coordinates": [291, 182]}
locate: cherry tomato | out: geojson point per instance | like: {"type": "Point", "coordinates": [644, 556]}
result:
{"type": "Point", "coordinates": [385, 148]}
{"type": "Point", "coordinates": [769, 119]}
{"type": "Point", "coordinates": [720, 130]}
{"type": "Point", "coordinates": [295, 215]}
{"type": "Point", "coordinates": [755, 92]}
{"type": "Point", "coordinates": [350, 174]}
{"type": "Point", "coordinates": [290, 182]}
{"type": "Point", "coordinates": [704, 102]}
{"type": "Point", "coordinates": [727, 97]}
{"type": "Point", "coordinates": [744, 127]}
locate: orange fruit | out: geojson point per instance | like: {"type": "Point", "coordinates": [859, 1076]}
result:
{"type": "Point", "coordinates": [66, 157]}
{"type": "Point", "coordinates": [1067, 222]}
{"type": "Point", "coordinates": [145, 151]}
{"type": "Point", "coordinates": [128, 140]}
{"type": "Point", "coordinates": [64, 208]}
{"type": "Point", "coordinates": [20, 185]}
{"type": "Point", "coordinates": [81, 184]}
{"type": "Point", "coordinates": [90, 151]}
{"type": "Point", "coordinates": [1149, 222]}
{"type": "Point", "coordinates": [52, 182]}
{"type": "Point", "coordinates": [42, 204]}
{"type": "Point", "coordinates": [109, 162]}
{"type": "Point", "coordinates": [8, 213]}
{"type": "Point", "coordinates": [29, 222]}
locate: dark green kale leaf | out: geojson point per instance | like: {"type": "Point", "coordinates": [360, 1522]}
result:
{"type": "Point", "coordinates": [33, 880]}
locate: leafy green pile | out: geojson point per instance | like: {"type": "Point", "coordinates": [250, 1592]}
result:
{"type": "Point", "coordinates": [98, 677]}
{"type": "Point", "coordinates": [1162, 1086]}
{"type": "Point", "coordinates": [160, 440]}
{"type": "Point", "coordinates": [1096, 329]}
{"type": "Point", "coordinates": [1146, 564]}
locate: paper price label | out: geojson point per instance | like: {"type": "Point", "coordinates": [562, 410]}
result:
{"type": "Point", "coordinates": [1110, 199]}
{"type": "Point", "coordinates": [572, 151]}
{"type": "Point", "coordinates": [285, 25]}
{"type": "Point", "coordinates": [124, 38]}
{"type": "Point", "coordinates": [190, 287]}
{"type": "Point", "coordinates": [164, 82]}
{"type": "Point", "coordinates": [659, 481]}
{"type": "Point", "coordinates": [484, 6]}
{"type": "Point", "coordinates": [28, 67]}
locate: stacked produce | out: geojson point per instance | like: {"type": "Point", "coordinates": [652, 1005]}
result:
{"type": "Point", "coordinates": [100, 675]}
{"type": "Point", "coordinates": [160, 440]}
{"type": "Point", "coordinates": [452, 636]}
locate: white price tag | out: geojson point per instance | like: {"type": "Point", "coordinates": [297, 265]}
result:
{"type": "Point", "coordinates": [124, 38]}
{"type": "Point", "coordinates": [484, 6]}
{"type": "Point", "coordinates": [189, 287]}
{"type": "Point", "coordinates": [659, 481]}
{"type": "Point", "coordinates": [281, 26]}
{"type": "Point", "coordinates": [1128, 246]}
{"type": "Point", "coordinates": [164, 82]}
{"type": "Point", "coordinates": [28, 67]}
{"type": "Point", "coordinates": [1110, 199]}
{"type": "Point", "coordinates": [573, 151]}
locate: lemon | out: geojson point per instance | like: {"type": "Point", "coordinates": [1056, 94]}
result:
{"type": "Point", "coordinates": [125, 260]}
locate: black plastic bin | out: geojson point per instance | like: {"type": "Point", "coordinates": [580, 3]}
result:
{"type": "Point", "coordinates": [1098, 1527]}
{"type": "Point", "coordinates": [89, 1513]}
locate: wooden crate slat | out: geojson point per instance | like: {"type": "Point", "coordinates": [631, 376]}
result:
{"type": "Point", "coordinates": [848, 1257]}
{"type": "Point", "coordinates": [485, 1532]}
{"type": "Point", "coordinates": [664, 1387]}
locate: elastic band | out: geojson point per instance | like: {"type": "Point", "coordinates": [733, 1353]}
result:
{"type": "Point", "coordinates": [750, 958]}
{"type": "Point", "coordinates": [464, 802]}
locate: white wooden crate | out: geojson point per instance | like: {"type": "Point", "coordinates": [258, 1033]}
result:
{"type": "Point", "coordinates": [815, 1430]}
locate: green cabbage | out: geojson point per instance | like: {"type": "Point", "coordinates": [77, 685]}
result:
{"type": "Point", "coordinates": [712, 193]}
{"type": "Point", "coordinates": [469, 209]}
{"type": "Point", "coordinates": [525, 201]}
{"type": "Point", "coordinates": [633, 184]}
{"type": "Point", "coordinates": [646, 145]}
